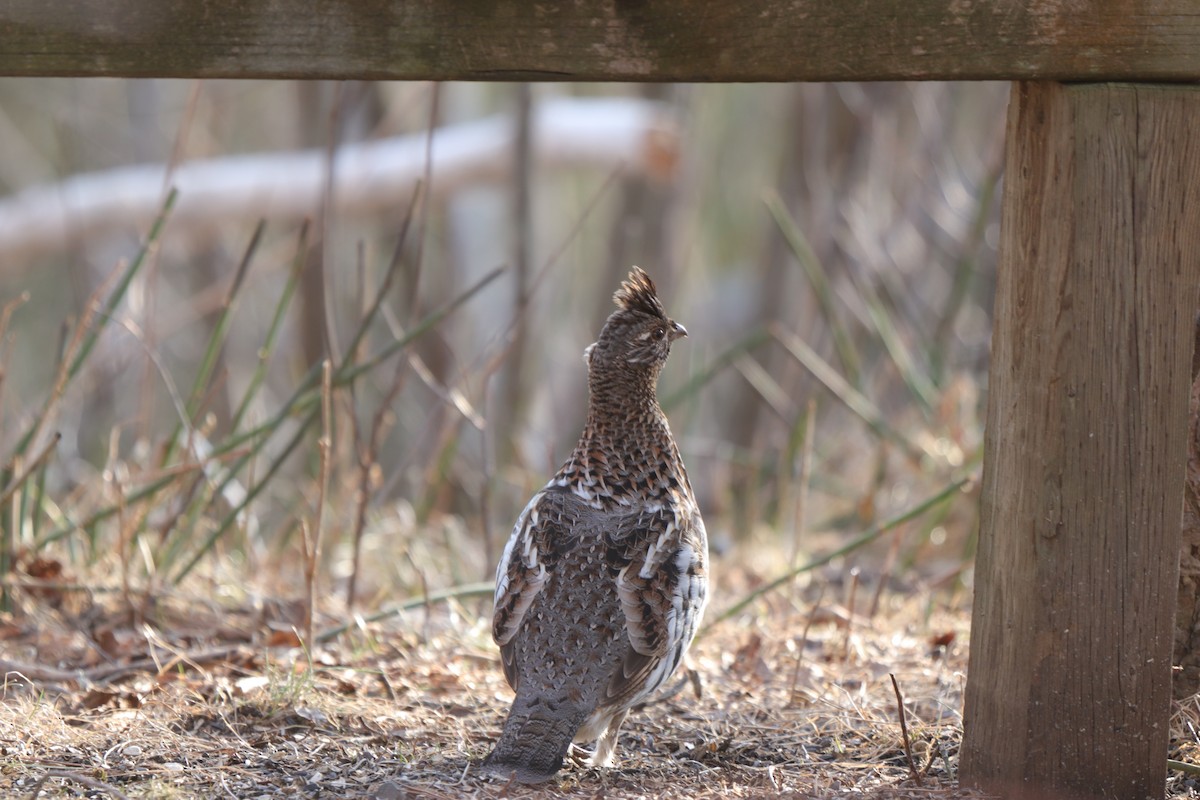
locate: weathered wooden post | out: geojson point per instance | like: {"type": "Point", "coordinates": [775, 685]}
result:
{"type": "Point", "coordinates": [1100, 275]}
{"type": "Point", "coordinates": [1070, 670]}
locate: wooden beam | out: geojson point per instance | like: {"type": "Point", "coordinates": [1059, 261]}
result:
{"type": "Point", "coordinates": [667, 40]}
{"type": "Point", "coordinates": [1099, 278]}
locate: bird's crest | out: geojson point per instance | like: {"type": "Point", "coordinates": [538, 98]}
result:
{"type": "Point", "coordinates": [637, 293]}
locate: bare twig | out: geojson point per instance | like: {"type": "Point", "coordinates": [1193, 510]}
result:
{"type": "Point", "coordinates": [854, 575]}
{"type": "Point", "coordinates": [82, 780]}
{"type": "Point", "coordinates": [312, 549]}
{"type": "Point", "coordinates": [912, 767]}
{"type": "Point", "coordinates": [368, 454]}
{"type": "Point", "coordinates": [522, 221]}
{"type": "Point", "coordinates": [808, 623]}
{"type": "Point", "coordinates": [9, 308]}
{"type": "Point", "coordinates": [488, 448]}
{"type": "Point", "coordinates": [889, 563]}
{"type": "Point", "coordinates": [368, 460]}
{"type": "Point", "coordinates": [804, 478]}
{"type": "Point", "coordinates": [421, 211]}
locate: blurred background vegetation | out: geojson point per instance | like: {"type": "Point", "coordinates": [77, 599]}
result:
{"type": "Point", "coordinates": [164, 416]}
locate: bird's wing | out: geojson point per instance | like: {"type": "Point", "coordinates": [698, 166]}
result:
{"type": "Point", "coordinates": [659, 557]}
{"type": "Point", "coordinates": [546, 530]}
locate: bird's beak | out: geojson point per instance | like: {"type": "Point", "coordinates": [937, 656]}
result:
{"type": "Point", "coordinates": [677, 331]}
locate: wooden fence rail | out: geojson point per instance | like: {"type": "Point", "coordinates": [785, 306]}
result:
{"type": "Point", "coordinates": [667, 40]}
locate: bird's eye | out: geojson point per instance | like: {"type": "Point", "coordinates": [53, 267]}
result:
{"type": "Point", "coordinates": [658, 333]}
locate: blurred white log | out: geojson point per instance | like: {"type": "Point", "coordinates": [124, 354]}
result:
{"type": "Point", "coordinates": [369, 177]}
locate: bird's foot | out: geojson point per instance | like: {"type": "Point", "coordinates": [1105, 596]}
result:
{"type": "Point", "coordinates": [605, 754]}
{"type": "Point", "coordinates": [579, 756]}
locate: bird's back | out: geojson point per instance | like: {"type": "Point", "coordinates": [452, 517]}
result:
{"type": "Point", "coordinates": [570, 643]}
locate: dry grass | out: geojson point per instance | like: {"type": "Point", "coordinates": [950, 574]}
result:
{"type": "Point", "coordinates": [790, 699]}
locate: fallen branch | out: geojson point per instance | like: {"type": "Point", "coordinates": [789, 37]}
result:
{"type": "Point", "coordinates": [98, 676]}
{"type": "Point", "coordinates": [82, 780]}
{"type": "Point", "coordinates": [630, 133]}
{"type": "Point", "coordinates": [1183, 766]}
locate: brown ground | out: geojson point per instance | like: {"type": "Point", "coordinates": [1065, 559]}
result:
{"type": "Point", "coordinates": [200, 705]}
{"type": "Point", "coordinates": [225, 705]}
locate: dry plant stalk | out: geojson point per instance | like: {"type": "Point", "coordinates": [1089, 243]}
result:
{"type": "Point", "coordinates": [38, 462]}
{"type": "Point", "coordinates": [854, 573]}
{"type": "Point", "coordinates": [808, 623]}
{"type": "Point", "coordinates": [368, 456]}
{"type": "Point", "coordinates": [912, 767]}
{"type": "Point", "coordinates": [312, 544]}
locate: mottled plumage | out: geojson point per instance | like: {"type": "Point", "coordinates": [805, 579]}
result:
{"type": "Point", "coordinates": [603, 581]}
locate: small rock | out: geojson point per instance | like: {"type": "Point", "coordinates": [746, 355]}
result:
{"type": "Point", "coordinates": [388, 791]}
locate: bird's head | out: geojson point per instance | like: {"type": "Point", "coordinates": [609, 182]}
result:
{"type": "Point", "coordinates": [636, 338]}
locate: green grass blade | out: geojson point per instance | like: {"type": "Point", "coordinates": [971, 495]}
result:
{"type": "Point", "coordinates": [349, 372]}
{"type": "Point", "coordinates": [918, 383]}
{"type": "Point", "coordinates": [217, 340]}
{"type": "Point", "coordinates": [389, 276]}
{"type": "Point", "coordinates": [251, 494]}
{"type": "Point", "coordinates": [964, 272]}
{"type": "Point", "coordinates": [101, 319]}
{"type": "Point", "coordinates": [842, 390]}
{"type": "Point", "coordinates": [268, 348]}
{"type": "Point", "coordinates": [470, 590]}
{"type": "Point", "coordinates": [713, 368]}
{"type": "Point", "coordinates": [798, 242]}
{"type": "Point", "coordinates": [866, 538]}
{"type": "Point", "coordinates": [118, 292]}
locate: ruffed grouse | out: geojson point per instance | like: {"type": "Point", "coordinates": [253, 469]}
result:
{"type": "Point", "coordinates": [604, 579]}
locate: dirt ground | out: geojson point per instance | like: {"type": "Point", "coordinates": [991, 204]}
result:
{"type": "Point", "coordinates": [791, 699]}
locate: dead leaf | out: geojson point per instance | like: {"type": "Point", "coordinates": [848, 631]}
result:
{"type": "Point", "coordinates": [46, 569]}
{"type": "Point", "coordinates": [942, 639]}
{"type": "Point", "coordinates": [99, 698]}
{"type": "Point", "coordinates": [748, 661]}
{"type": "Point", "coordinates": [106, 638]}
{"type": "Point", "coordinates": [283, 638]}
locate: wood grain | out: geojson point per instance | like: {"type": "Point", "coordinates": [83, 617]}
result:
{"type": "Point", "coordinates": [1186, 657]}
{"type": "Point", "coordinates": [1099, 278]}
{"type": "Point", "coordinates": [667, 40]}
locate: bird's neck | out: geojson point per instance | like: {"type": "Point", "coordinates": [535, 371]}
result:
{"type": "Point", "coordinates": [618, 427]}
{"type": "Point", "coordinates": [626, 452]}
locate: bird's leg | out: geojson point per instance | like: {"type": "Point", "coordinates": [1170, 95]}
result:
{"type": "Point", "coordinates": [606, 745]}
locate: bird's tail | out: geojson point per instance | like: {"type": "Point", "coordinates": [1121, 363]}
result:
{"type": "Point", "coordinates": [535, 739]}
